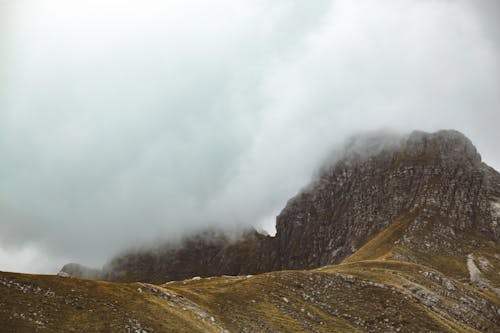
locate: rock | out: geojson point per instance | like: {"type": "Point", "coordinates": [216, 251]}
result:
{"type": "Point", "coordinates": [80, 271]}
{"type": "Point", "coordinates": [425, 177]}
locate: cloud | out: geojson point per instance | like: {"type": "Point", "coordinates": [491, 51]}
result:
{"type": "Point", "coordinates": [488, 11]}
{"type": "Point", "coordinates": [29, 259]}
{"type": "Point", "coordinates": [123, 121]}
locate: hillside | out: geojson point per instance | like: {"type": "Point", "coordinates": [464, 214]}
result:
{"type": "Point", "coordinates": [365, 296]}
{"type": "Point", "coordinates": [398, 235]}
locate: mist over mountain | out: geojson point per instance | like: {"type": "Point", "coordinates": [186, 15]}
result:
{"type": "Point", "coordinates": [401, 237]}
{"type": "Point", "coordinates": [249, 166]}
{"type": "Point", "coordinates": [434, 184]}
{"type": "Point", "coordinates": [126, 123]}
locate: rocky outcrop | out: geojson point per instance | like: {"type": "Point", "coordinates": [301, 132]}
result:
{"type": "Point", "coordinates": [435, 182]}
{"type": "Point", "coordinates": [80, 271]}
{"type": "Point", "coordinates": [427, 177]}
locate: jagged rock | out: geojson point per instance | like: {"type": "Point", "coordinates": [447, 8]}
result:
{"type": "Point", "coordinates": [428, 176]}
{"type": "Point", "coordinates": [437, 278]}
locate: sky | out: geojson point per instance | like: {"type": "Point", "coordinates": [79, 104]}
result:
{"type": "Point", "coordinates": [130, 122]}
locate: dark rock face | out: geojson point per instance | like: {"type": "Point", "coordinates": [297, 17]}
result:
{"type": "Point", "coordinates": [437, 180]}
{"type": "Point", "coordinates": [209, 253]}
{"type": "Point", "coordinates": [428, 176]}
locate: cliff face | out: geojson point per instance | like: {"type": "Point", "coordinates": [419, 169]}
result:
{"type": "Point", "coordinates": [209, 253]}
{"type": "Point", "coordinates": [436, 182]}
{"type": "Point", "coordinates": [431, 189]}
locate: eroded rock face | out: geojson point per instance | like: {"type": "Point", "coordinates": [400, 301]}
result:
{"type": "Point", "coordinates": [428, 177]}
{"type": "Point", "coordinates": [436, 181]}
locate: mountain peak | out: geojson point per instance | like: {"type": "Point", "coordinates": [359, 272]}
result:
{"type": "Point", "coordinates": [434, 184]}
{"type": "Point", "coordinates": [447, 145]}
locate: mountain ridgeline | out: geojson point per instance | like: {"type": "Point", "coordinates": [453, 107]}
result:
{"type": "Point", "coordinates": [426, 198]}
{"type": "Point", "coordinates": [394, 234]}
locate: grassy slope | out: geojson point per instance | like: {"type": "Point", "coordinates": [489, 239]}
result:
{"type": "Point", "coordinates": [361, 296]}
{"type": "Point", "coordinates": [382, 244]}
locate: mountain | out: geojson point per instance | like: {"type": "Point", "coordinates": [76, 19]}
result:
{"type": "Point", "coordinates": [394, 234]}
{"type": "Point", "coordinates": [433, 187]}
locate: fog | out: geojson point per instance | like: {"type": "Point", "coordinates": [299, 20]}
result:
{"type": "Point", "coordinates": [128, 122]}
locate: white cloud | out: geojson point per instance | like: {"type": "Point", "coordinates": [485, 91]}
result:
{"type": "Point", "coordinates": [29, 259]}
{"type": "Point", "coordinates": [126, 121]}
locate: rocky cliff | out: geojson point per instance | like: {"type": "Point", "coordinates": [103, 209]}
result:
{"type": "Point", "coordinates": [435, 182]}
{"type": "Point", "coordinates": [429, 192]}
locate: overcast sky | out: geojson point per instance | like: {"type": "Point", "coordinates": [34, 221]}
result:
{"type": "Point", "coordinates": [123, 122]}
